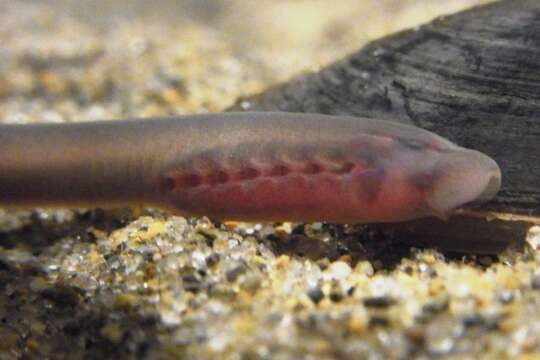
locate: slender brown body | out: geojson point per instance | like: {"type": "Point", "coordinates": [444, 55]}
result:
{"type": "Point", "coordinates": [245, 166]}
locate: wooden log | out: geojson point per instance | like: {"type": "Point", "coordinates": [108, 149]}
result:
{"type": "Point", "coordinates": [461, 234]}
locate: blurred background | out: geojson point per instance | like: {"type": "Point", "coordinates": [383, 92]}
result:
{"type": "Point", "coordinates": [78, 60]}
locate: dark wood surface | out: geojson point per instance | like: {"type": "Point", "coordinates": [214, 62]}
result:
{"type": "Point", "coordinates": [460, 234]}
{"type": "Point", "coordinates": [473, 77]}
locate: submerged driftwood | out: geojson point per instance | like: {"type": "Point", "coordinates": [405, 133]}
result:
{"type": "Point", "coordinates": [473, 77]}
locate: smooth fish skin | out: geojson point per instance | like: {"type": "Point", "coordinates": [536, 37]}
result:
{"type": "Point", "coordinates": [245, 166]}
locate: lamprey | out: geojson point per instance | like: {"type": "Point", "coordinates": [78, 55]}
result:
{"type": "Point", "coordinates": [265, 166]}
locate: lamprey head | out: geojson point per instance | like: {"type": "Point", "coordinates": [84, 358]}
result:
{"type": "Point", "coordinates": [463, 176]}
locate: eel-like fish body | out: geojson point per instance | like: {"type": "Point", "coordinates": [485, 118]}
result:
{"type": "Point", "coordinates": [245, 166]}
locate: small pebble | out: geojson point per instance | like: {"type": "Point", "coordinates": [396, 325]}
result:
{"type": "Point", "coordinates": [436, 306]}
{"type": "Point", "coordinates": [62, 295]}
{"type": "Point", "coordinates": [426, 269]}
{"type": "Point", "coordinates": [485, 260]}
{"type": "Point", "coordinates": [506, 297]}
{"type": "Point", "coordinates": [233, 273]}
{"type": "Point", "coordinates": [336, 294]}
{"type": "Point", "coordinates": [473, 320]}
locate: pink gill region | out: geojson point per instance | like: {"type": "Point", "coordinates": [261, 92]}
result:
{"type": "Point", "coordinates": [181, 181]}
{"type": "Point", "coordinates": [303, 191]}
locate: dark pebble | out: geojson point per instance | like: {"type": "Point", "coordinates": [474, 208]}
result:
{"type": "Point", "coordinates": [62, 295]}
{"type": "Point", "coordinates": [191, 283]}
{"type": "Point", "coordinates": [208, 236]}
{"type": "Point", "coordinates": [72, 327]}
{"type": "Point", "coordinates": [236, 271]}
{"type": "Point", "coordinates": [316, 295]}
{"type": "Point", "coordinates": [336, 296]}
{"type": "Point", "coordinates": [5, 265]}
{"type": "Point", "coordinates": [485, 261]}
{"type": "Point", "coordinates": [378, 321]}
{"type": "Point", "coordinates": [379, 302]}
{"type": "Point", "coordinates": [408, 270]}
{"type": "Point", "coordinates": [212, 259]}
{"type": "Point", "coordinates": [473, 320]}
{"type": "Point", "coordinates": [436, 306]}
{"type": "Point", "coordinates": [535, 282]}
